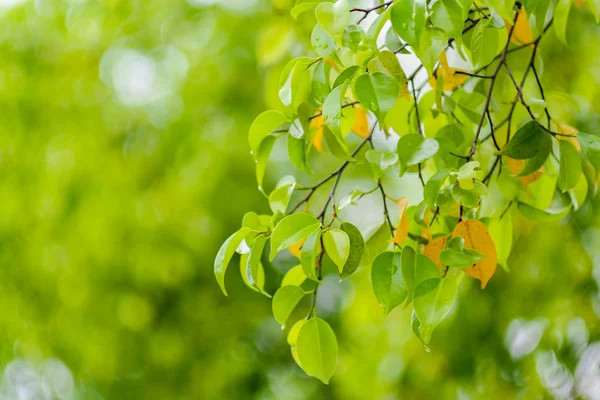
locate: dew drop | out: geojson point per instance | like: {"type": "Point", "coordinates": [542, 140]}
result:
{"type": "Point", "coordinates": [427, 349]}
{"type": "Point", "coordinates": [260, 188]}
{"type": "Point", "coordinates": [282, 327]}
{"type": "Point", "coordinates": [404, 26]}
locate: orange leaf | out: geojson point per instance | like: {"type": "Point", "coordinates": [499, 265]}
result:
{"type": "Point", "coordinates": [295, 249]}
{"type": "Point", "coordinates": [402, 232]}
{"type": "Point", "coordinates": [515, 166]}
{"type": "Point", "coordinates": [451, 78]}
{"type": "Point", "coordinates": [333, 65]}
{"type": "Point", "coordinates": [522, 32]}
{"type": "Point", "coordinates": [318, 137]}
{"type": "Point", "coordinates": [478, 238]}
{"type": "Point", "coordinates": [434, 248]}
{"type": "Point", "coordinates": [361, 123]}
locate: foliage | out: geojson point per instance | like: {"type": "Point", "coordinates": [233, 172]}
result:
{"type": "Point", "coordinates": [476, 142]}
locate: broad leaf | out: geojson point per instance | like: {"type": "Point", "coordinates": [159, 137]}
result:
{"type": "Point", "coordinates": [280, 196]}
{"type": "Point", "coordinates": [388, 283]}
{"type": "Point", "coordinates": [317, 349]}
{"type": "Point", "coordinates": [337, 246]}
{"type": "Point", "coordinates": [357, 246]}
{"type": "Point", "coordinates": [433, 300]}
{"type": "Point", "coordinates": [285, 301]}
{"type": "Point", "coordinates": [477, 237]}
{"type": "Point", "coordinates": [570, 169]}
{"type": "Point", "coordinates": [380, 162]}
{"type": "Point", "coordinates": [225, 253]}
{"type": "Point", "coordinates": [310, 252]}
{"type": "Point", "coordinates": [262, 127]}
{"type": "Point", "coordinates": [433, 186]}
{"type": "Point", "coordinates": [377, 92]}
{"type": "Point", "coordinates": [292, 229]}
{"type": "Point", "coordinates": [408, 20]}
{"type": "Point", "coordinates": [413, 149]}
{"type": "Point", "coordinates": [526, 142]}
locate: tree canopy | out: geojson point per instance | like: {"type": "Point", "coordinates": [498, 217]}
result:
{"type": "Point", "coordinates": [442, 99]}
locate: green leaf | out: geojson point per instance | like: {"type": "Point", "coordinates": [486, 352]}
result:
{"type": "Point", "coordinates": [346, 75]}
{"type": "Point", "coordinates": [317, 349]}
{"type": "Point", "coordinates": [433, 42]}
{"type": "Point", "coordinates": [408, 20]}
{"type": "Point", "coordinates": [447, 15]}
{"type": "Point", "coordinates": [393, 42]}
{"type": "Point", "coordinates": [501, 231]}
{"type": "Point", "coordinates": [295, 276]}
{"type": "Point", "coordinates": [433, 300]}
{"type": "Point", "coordinates": [262, 159]}
{"type": "Point", "coordinates": [484, 44]}
{"type": "Point", "coordinates": [455, 255]}
{"type": "Point", "coordinates": [377, 92]}
{"type": "Point", "coordinates": [253, 265]}
{"type": "Point", "coordinates": [377, 241]}
{"type": "Point", "coordinates": [590, 146]}
{"type": "Point", "coordinates": [433, 186]}
{"type": "Point", "coordinates": [349, 200]}
{"type": "Point", "coordinates": [336, 145]}
{"type": "Point", "coordinates": [298, 153]}
{"type": "Point", "coordinates": [357, 246]}
{"type": "Point", "coordinates": [258, 223]}
{"type": "Point", "coordinates": [332, 110]}
{"type": "Point", "coordinates": [537, 161]}
{"type": "Point", "coordinates": [281, 195]}
{"type": "Point", "coordinates": [295, 83]}
{"type": "Point", "coordinates": [526, 142]}
{"type": "Point", "coordinates": [468, 174]}
{"type": "Point", "coordinates": [320, 83]}
{"type": "Point", "coordinates": [285, 301]}
{"type": "Point", "coordinates": [420, 213]}
{"type": "Point", "coordinates": [333, 17]}
{"type": "Point", "coordinates": [259, 283]}
{"type": "Point", "coordinates": [469, 198]}
{"type": "Point", "coordinates": [301, 8]}
{"type": "Point", "coordinates": [535, 214]}
{"type": "Point", "coordinates": [262, 127]}
{"type": "Point", "coordinates": [380, 162]}
{"type": "Point", "coordinates": [416, 268]}
{"type": "Point", "coordinates": [561, 16]}
{"type": "Point", "coordinates": [225, 253]}
{"type": "Point", "coordinates": [291, 230]}
{"type": "Point", "coordinates": [353, 35]}
{"type": "Point", "coordinates": [570, 169]}
{"type": "Point", "coordinates": [375, 29]}
{"type": "Point", "coordinates": [413, 149]}
{"type": "Point", "coordinates": [308, 257]}
{"type": "Point", "coordinates": [556, 102]}
{"type": "Point", "coordinates": [388, 283]}
{"type": "Point", "coordinates": [337, 246]}
{"type": "Point", "coordinates": [387, 62]}
{"type": "Point", "coordinates": [323, 43]}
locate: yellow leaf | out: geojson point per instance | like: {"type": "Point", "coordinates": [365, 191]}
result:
{"type": "Point", "coordinates": [295, 249]}
{"type": "Point", "coordinates": [451, 78]}
{"type": "Point", "coordinates": [361, 123]}
{"type": "Point", "coordinates": [318, 137]}
{"type": "Point", "coordinates": [515, 166]}
{"type": "Point", "coordinates": [402, 232]}
{"type": "Point", "coordinates": [522, 32]}
{"type": "Point", "coordinates": [568, 130]}
{"type": "Point", "coordinates": [478, 238]}
{"type": "Point", "coordinates": [434, 248]}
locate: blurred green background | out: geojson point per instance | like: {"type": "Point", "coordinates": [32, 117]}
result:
{"type": "Point", "coordinates": [124, 164]}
